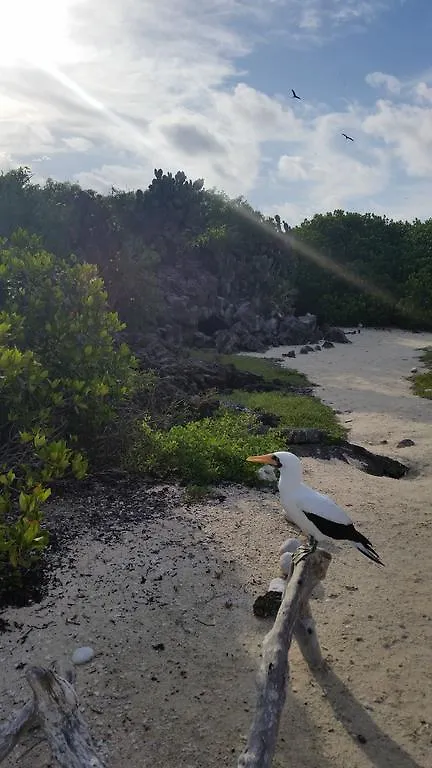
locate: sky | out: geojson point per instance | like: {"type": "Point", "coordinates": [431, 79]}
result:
{"type": "Point", "coordinates": [101, 92]}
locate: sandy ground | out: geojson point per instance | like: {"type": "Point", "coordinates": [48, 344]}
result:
{"type": "Point", "coordinates": [188, 580]}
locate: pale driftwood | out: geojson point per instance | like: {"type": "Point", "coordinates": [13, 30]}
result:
{"type": "Point", "coordinates": [13, 728]}
{"type": "Point", "coordinates": [55, 710]}
{"type": "Point", "coordinates": [294, 616]}
{"type": "Point", "coordinates": [59, 717]}
{"type": "Point", "coordinates": [307, 638]}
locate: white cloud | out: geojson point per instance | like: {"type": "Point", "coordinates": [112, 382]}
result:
{"type": "Point", "coordinates": [119, 87]}
{"type": "Point", "coordinates": [293, 168]}
{"type": "Point", "coordinates": [424, 92]}
{"type": "Point", "coordinates": [407, 130]}
{"type": "Point", "coordinates": [389, 82]}
{"type": "Point", "coordinates": [78, 143]}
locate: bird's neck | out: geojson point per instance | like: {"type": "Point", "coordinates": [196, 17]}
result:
{"type": "Point", "coordinates": [288, 482]}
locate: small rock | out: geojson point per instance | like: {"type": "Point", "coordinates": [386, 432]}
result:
{"type": "Point", "coordinates": [290, 545]}
{"type": "Point", "coordinates": [414, 370]}
{"type": "Point", "coordinates": [82, 655]}
{"type": "Point", "coordinates": [405, 443]}
{"type": "Point", "coordinates": [291, 353]}
{"type": "Point", "coordinates": [304, 350]}
{"type": "Point", "coordinates": [362, 739]}
{"type": "Point", "coordinates": [317, 348]}
{"type": "Point", "coordinates": [267, 474]}
{"type": "Point", "coordinates": [383, 442]}
{"type": "Point", "coordinates": [277, 585]}
{"type": "Point", "coordinates": [158, 646]}
{"type": "Point", "coordinates": [228, 603]}
{"type": "Point", "coordinates": [327, 344]}
{"type": "Point", "coordinates": [285, 564]}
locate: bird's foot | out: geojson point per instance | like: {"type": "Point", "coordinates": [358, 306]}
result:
{"type": "Point", "coordinates": [304, 551]}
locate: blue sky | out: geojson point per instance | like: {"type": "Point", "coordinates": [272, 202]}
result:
{"type": "Point", "coordinates": [103, 91]}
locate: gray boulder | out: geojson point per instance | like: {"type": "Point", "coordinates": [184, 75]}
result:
{"type": "Point", "coordinates": [337, 335]}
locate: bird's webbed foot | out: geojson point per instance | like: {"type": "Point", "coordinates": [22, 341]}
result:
{"type": "Point", "coordinates": [304, 551]}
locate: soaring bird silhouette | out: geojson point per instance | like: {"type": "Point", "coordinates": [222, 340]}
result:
{"type": "Point", "coordinates": [348, 138]}
{"type": "Point", "coordinates": [294, 95]}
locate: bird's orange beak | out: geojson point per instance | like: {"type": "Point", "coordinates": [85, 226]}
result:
{"type": "Point", "coordinates": [266, 458]}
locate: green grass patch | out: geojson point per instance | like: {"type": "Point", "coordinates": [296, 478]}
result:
{"type": "Point", "coordinates": [422, 382]}
{"type": "Point", "coordinates": [267, 369]}
{"type": "Point", "coordinates": [203, 452]}
{"type": "Point", "coordinates": [293, 410]}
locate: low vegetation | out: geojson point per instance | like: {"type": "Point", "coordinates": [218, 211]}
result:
{"type": "Point", "coordinates": [422, 382]}
{"type": "Point", "coordinates": [293, 410]}
{"type": "Point", "coordinates": [211, 450]}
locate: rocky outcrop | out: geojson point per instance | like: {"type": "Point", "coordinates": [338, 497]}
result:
{"type": "Point", "coordinates": [242, 328]}
{"type": "Point", "coordinates": [193, 314]}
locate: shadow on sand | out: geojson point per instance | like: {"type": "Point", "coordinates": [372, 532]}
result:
{"type": "Point", "coordinates": [379, 748]}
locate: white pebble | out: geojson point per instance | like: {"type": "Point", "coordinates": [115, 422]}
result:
{"type": "Point", "coordinates": [267, 474]}
{"type": "Point", "coordinates": [277, 585]}
{"type": "Point", "coordinates": [290, 545]}
{"type": "Point", "coordinates": [82, 655]}
{"type": "Point", "coordinates": [285, 563]}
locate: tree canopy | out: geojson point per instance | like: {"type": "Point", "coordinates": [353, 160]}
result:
{"type": "Point", "coordinates": [346, 267]}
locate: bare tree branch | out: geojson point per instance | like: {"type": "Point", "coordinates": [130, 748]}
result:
{"type": "Point", "coordinates": [294, 616]}
{"type": "Point", "coordinates": [54, 709]}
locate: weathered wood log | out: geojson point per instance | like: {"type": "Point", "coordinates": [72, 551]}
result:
{"type": "Point", "coordinates": [57, 711]}
{"type": "Point", "coordinates": [13, 728]}
{"type": "Point", "coordinates": [307, 638]}
{"type": "Point", "coordinates": [294, 616]}
{"type": "Point", "coordinates": [54, 709]}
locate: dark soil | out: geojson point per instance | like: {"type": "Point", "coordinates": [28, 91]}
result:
{"type": "Point", "coordinates": [103, 508]}
{"type": "Point", "coordinates": [350, 453]}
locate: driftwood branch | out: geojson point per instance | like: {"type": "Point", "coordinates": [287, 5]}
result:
{"type": "Point", "coordinates": [55, 710]}
{"type": "Point", "coordinates": [294, 618]}
{"type": "Point", "coordinates": [14, 727]}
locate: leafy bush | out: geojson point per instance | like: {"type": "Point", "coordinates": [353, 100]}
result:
{"type": "Point", "coordinates": [202, 452]}
{"type": "Point", "coordinates": [62, 374]}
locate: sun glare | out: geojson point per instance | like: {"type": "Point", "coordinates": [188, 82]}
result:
{"type": "Point", "coordinates": [35, 32]}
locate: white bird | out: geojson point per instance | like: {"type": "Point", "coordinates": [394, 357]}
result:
{"type": "Point", "coordinates": [317, 515]}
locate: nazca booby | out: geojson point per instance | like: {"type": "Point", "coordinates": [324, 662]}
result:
{"type": "Point", "coordinates": [317, 515]}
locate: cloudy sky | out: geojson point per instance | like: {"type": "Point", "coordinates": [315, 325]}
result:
{"type": "Point", "coordinates": [103, 91]}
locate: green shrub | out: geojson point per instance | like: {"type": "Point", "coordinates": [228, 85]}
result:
{"type": "Point", "coordinates": [59, 312]}
{"type": "Point", "coordinates": [62, 374]}
{"type": "Point", "coordinates": [202, 452]}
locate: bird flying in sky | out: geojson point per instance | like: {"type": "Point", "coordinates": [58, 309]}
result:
{"type": "Point", "coordinates": [317, 515]}
{"type": "Point", "coordinates": [294, 95]}
{"type": "Point", "coordinates": [348, 138]}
